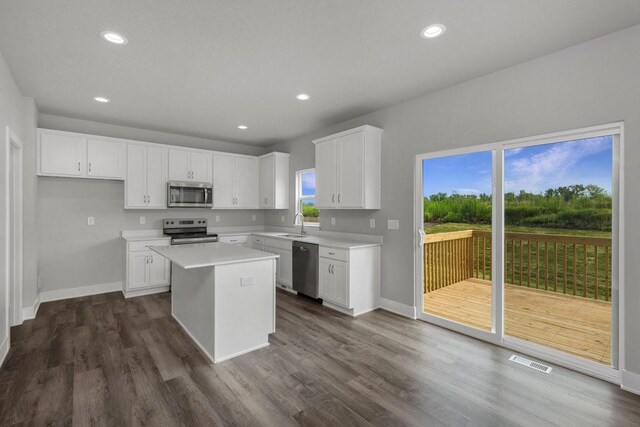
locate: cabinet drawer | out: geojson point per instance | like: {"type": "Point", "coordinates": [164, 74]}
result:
{"type": "Point", "coordinates": [143, 245]}
{"type": "Point", "coordinates": [339, 254]}
{"type": "Point", "coordinates": [234, 240]}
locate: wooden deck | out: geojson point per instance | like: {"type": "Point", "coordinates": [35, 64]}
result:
{"type": "Point", "coordinates": [575, 325]}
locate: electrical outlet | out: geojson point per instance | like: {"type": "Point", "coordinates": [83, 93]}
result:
{"type": "Point", "coordinates": [372, 223]}
{"type": "Point", "coordinates": [143, 220]}
{"type": "Point", "coordinates": [253, 218]}
{"type": "Point", "coordinates": [393, 224]}
{"type": "Point", "coordinates": [282, 218]}
{"type": "Point", "coordinates": [333, 220]}
{"type": "Point", "coordinates": [217, 218]}
{"type": "Point", "coordinates": [91, 220]}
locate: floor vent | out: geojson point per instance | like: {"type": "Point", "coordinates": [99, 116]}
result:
{"type": "Point", "coordinates": [531, 364]}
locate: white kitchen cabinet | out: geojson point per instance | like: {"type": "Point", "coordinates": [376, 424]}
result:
{"type": "Point", "coordinates": [146, 178]}
{"type": "Point", "coordinates": [240, 239]}
{"type": "Point", "coordinates": [105, 159]}
{"type": "Point", "coordinates": [146, 271]}
{"type": "Point", "coordinates": [349, 279]}
{"type": "Point", "coordinates": [189, 165]}
{"type": "Point", "coordinates": [285, 273]}
{"type": "Point", "coordinates": [333, 281]}
{"type": "Point", "coordinates": [68, 154]}
{"type": "Point", "coordinates": [273, 181]}
{"type": "Point", "coordinates": [234, 181]}
{"type": "Point", "coordinates": [348, 169]}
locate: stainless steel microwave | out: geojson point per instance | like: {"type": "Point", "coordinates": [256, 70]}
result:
{"type": "Point", "coordinates": [189, 194]}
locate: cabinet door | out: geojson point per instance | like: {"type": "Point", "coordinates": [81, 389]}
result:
{"type": "Point", "coordinates": [159, 270]}
{"type": "Point", "coordinates": [326, 174]}
{"type": "Point", "coordinates": [286, 267]}
{"type": "Point", "coordinates": [156, 177]}
{"type": "Point", "coordinates": [200, 166]}
{"type": "Point", "coordinates": [61, 155]}
{"type": "Point", "coordinates": [136, 179]}
{"type": "Point", "coordinates": [223, 192]}
{"type": "Point", "coordinates": [326, 283]}
{"type": "Point", "coordinates": [351, 171]}
{"type": "Point", "coordinates": [179, 165]}
{"type": "Point", "coordinates": [340, 283]}
{"type": "Point", "coordinates": [244, 177]}
{"type": "Point", "coordinates": [138, 274]}
{"type": "Point", "coordinates": [266, 193]}
{"type": "Point", "coordinates": [105, 159]}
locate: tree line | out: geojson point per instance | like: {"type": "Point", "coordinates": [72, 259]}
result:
{"type": "Point", "coordinates": [584, 207]}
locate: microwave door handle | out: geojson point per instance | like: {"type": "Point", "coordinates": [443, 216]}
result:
{"type": "Point", "coordinates": [206, 195]}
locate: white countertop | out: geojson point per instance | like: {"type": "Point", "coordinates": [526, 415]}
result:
{"type": "Point", "coordinates": [318, 240]}
{"type": "Point", "coordinates": [210, 254]}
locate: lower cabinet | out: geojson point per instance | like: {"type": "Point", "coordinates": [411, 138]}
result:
{"type": "Point", "coordinates": [284, 264]}
{"type": "Point", "coordinates": [333, 282]}
{"type": "Point", "coordinates": [240, 239]}
{"type": "Point", "coordinates": [146, 271]}
{"type": "Point", "coordinates": [349, 279]}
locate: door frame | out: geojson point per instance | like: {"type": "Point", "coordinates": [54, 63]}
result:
{"type": "Point", "coordinates": [496, 336]}
{"type": "Point", "coordinates": [15, 204]}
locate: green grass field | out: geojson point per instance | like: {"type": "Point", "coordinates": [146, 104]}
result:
{"type": "Point", "coordinates": [456, 226]}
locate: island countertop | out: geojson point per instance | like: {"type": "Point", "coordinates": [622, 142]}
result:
{"type": "Point", "coordinates": [210, 254]}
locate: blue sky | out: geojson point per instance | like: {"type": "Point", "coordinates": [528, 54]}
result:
{"type": "Point", "coordinates": [533, 169]}
{"type": "Point", "coordinates": [308, 183]}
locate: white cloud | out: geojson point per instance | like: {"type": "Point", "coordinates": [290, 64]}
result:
{"type": "Point", "coordinates": [533, 173]}
{"type": "Point", "coordinates": [466, 191]}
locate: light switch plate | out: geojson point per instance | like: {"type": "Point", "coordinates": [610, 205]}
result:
{"type": "Point", "coordinates": [217, 218]}
{"type": "Point", "coordinates": [143, 220]}
{"type": "Point", "coordinates": [247, 281]}
{"type": "Point", "coordinates": [393, 224]}
{"type": "Point", "coordinates": [333, 220]}
{"type": "Point", "coordinates": [91, 220]}
{"type": "Point", "coordinates": [372, 222]}
{"type": "Point", "coordinates": [253, 218]}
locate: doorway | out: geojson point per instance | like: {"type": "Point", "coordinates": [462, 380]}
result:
{"type": "Point", "coordinates": [518, 244]}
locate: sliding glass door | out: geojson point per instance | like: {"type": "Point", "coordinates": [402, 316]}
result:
{"type": "Point", "coordinates": [457, 210]}
{"type": "Point", "coordinates": [517, 243]}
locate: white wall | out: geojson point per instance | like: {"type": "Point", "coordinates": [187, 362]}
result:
{"type": "Point", "coordinates": [72, 254]}
{"type": "Point", "coordinates": [20, 114]}
{"type": "Point", "coordinates": [593, 83]}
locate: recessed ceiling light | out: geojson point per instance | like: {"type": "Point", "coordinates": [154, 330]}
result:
{"type": "Point", "coordinates": [433, 31]}
{"type": "Point", "coordinates": [114, 38]}
{"type": "Point", "coordinates": [243, 127]}
{"type": "Point", "coordinates": [102, 99]}
{"type": "Point", "coordinates": [303, 97]}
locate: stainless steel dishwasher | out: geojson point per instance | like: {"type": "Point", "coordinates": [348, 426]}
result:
{"type": "Point", "coordinates": [305, 268]}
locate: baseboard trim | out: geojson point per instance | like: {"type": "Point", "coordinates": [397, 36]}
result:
{"type": "Point", "coordinates": [29, 313]}
{"type": "Point", "coordinates": [141, 292]}
{"type": "Point", "coordinates": [398, 308]}
{"type": "Point", "coordinates": [81, 291]}
{"type": "Point", "coordinates": [4, 349]}
{"type": "Point", "coordinates": [630, 382]}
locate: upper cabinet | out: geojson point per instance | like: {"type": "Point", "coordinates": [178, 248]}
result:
{"type": "Point", "coordinates": [146, 183]}
{"type": "Point", "coordinates": [189, 165]}
{"type": "Point", "coordinates": [234, 181]}
{"type": "Point", "coordinates": [273, 188]}
{"type": "Point", "coordinates": [72, 155]}
{"type": "Point", "coordinates": [348, 169]}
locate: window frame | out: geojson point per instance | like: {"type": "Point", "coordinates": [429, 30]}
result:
{"type": "Point", "coordinates": [300, 197]}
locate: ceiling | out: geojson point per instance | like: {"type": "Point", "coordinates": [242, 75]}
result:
{"type": "Point", "coordinates": [203, 67]}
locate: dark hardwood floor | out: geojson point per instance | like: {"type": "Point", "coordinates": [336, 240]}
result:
{"type": "Point", "coordinates": [104, 360]}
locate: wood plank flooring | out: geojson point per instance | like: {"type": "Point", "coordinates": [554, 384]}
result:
{"type": "Point", "coordinates": [575, 325]}
{"type": "Point", "coordinates": [104, 360]}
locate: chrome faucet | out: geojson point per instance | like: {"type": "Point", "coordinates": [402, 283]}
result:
{"type": "Point", "coordinates": [301, 222]}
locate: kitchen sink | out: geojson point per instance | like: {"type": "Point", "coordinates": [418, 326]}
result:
{"type": "Point", "coordinates": [297, 236]}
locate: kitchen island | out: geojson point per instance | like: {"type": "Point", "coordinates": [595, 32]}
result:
{"type": "Point", "coordinates": [223, 296]}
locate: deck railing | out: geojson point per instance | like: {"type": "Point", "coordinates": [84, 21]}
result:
{"type": "Point", "coordinates": [573, 265]}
